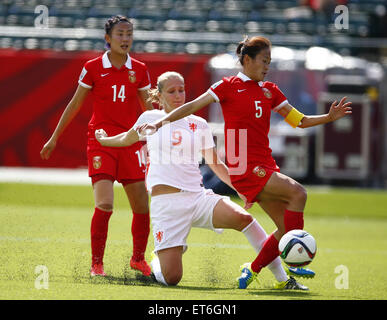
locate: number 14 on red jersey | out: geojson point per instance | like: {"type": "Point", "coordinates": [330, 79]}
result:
{"type": "Point", "coordinates": [121, 93]}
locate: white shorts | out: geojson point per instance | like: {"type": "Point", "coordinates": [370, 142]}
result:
{"type": "Point", "coordinates": [174, 214]}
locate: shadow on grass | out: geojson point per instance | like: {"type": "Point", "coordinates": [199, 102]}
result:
{"type": "Point", "coordinates": [296, 294]}
{"type": "Point", "coordinates": [140, 280]}
{"type": "Point", "coordinates": [137, 279]}
{"type": "Point", "coordinates": [126, 280]}
{"type": "Point", "coordinates": [134, 278]}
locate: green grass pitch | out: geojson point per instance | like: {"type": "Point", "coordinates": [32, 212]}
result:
{"type": "Point", "coordinates": [49, 226]}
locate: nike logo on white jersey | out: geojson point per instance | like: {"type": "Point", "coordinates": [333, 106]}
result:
{"type": "Point", "coordinates": [241, 90]}
{"type": "Point", "coordinates": [104, 74]}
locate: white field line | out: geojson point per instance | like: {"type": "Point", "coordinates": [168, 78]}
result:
{"type": "Point", "coordinates": [116, 242]}
{"type": "Point", "coordinates": [61, 176]}
{"type": "Point", "coordinates": [44, 176]}
{"type": "Point", "coordinates": [193, 245]}
{"type": "Point", "coordinates": [53, 176]}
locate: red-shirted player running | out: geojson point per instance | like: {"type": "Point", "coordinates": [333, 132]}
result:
{"type": "Point", "coordinates": [247, 103]}
{"type": "Point", "coordinates": [116, 81]}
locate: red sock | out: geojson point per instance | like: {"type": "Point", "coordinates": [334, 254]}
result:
{"type": "Point", "coordinates": [140, 233]}
{"type": "Point", "coordinates": [268, 253]}
{"type": "Point", "coordinates": [293, 220]}
{"type": "Point", "coordinates": [99, 231]}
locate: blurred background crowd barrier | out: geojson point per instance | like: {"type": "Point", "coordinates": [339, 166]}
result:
{"type": "Point", "coordinates": [322, 50]}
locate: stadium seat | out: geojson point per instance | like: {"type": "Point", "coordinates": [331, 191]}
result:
{"type": "Point", "coordinates": [46, 43]}
{"type": "Point", "coordinates": [229, 16]}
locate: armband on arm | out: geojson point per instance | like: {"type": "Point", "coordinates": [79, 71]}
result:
{"type": "Point", "coordinates": [294, 117]}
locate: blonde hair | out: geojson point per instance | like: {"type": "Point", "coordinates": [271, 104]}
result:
{"type": "Point", "coordinates": [154, 93]}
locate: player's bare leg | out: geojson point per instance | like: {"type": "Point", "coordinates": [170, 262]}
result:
{"type": "Point", "coordinates": [275, 210]}
{"type": "Point", "coordinates": [138, 199]}
{"type": "Point", "coordinates": [103, 198]}
{"type": "Point", "coordinates": [291, 197]}
{"type": "Point", "coordinates": [228, 214]}
{"type": "Point", "coordinates": [283, 199]}
{"type": "Point", "coordinates": [167, 265]}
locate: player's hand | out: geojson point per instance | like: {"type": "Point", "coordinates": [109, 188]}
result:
{"type": "Point", "coordinates": [146, 129]}
{"type": "Point", "coordinates": [247, 205]}
{"type": "Point", "coordinates": [47, 149]}
{"type": "Point", "coordinates": [100, 134]}
{"type": "Point", "coordinates": [339, 110]}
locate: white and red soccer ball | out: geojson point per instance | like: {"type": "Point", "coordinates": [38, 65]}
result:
{"type": "Point", "coordinates": [297, 248]}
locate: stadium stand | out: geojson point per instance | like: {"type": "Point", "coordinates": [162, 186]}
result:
{"type": "Point", "coordinates": [212, 26]}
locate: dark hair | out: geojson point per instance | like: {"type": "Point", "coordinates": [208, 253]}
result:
{"type": "Point", "coordinates": [251, 47]}
{"type": "Point", "coordinates": [111, 22]}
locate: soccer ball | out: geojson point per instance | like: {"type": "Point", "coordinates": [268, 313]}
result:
{"type": "Point", "coordinates": [297, 248]}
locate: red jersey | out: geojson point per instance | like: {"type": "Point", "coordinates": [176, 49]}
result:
{"type": "Point", "coordinates": [246, 107]}
{"type": "Point", "coordinates": [115, 102]}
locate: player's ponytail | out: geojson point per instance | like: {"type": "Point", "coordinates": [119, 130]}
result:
{"type": "Point", "coordinates": [153, 96]}
{"type": "Point", "coordinates": [242, 45]}
{"type": "Point", "coordinates": [251, 47]}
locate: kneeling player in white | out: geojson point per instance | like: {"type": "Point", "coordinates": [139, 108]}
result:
{"type": "Point", "coordinates": [178, 199]}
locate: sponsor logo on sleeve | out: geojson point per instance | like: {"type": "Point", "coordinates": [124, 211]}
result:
{"type": "Point", "coordinates": [216, 84]}
{"type": "Point", "coordinates": [83, 73]}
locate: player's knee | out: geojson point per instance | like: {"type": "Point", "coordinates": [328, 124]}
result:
{"type": "Point", "coordinates": [244, 220]}
{"type": "Point", "coordinates": [299, 194]}
{"type": "Point", "coordinates": [140, 205]}
{"type": "Point", "coordinates": [144, 208]}
{"type": "Point", "coordinates": [105, 206]}
{"type": "Point", "coordinates": [173, 278]}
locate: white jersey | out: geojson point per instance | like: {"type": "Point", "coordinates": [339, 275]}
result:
{"type": "Point", "coordinates": [175, 151]}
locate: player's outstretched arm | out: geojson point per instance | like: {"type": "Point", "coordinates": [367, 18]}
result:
{"type": "Point", "coordinates": [297, 119]}
{"type": "Point", "coordinates": [336, 111]}
{"type": "Point", "coordinates": [68, 114]}
{"type": "Point", "coordinates": [123, 139]}
{"type": "Point", "coordinates": [220, 169]}
{"type": "Point", "coordinates": [179, 113]}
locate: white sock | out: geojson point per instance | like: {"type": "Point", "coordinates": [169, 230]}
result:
{"type": "Point", "coordinates": [278, 270]}
{"type": "Point", "coordinates": [156, 268]}
{"type": "Point", "coordinates": [256, 236]}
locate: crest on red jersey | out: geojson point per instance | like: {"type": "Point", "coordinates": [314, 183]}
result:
{"type": "Point", "coordinates": [97, 162]}
{"type": "Point", "coordinates": [132, 76]}
{"type": "Point", "coordinates": [259, 171]}
{"type": "Point", "coordinates": [267, 93]}
{"type": "Point", "coordinates": [159, 236]}
{"type": "Point", "coordinates": [193, 126]}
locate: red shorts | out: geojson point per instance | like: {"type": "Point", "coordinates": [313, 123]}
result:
{"type": "Point", "coordinates": [253, 181]}
{"type": "Point", "coordinates": [126, 164]}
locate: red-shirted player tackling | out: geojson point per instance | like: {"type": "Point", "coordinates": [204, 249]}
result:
{"type": "Point", "coordinates": [247, 103]}
{"type": "Point", "coordinates": [116, 81]}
